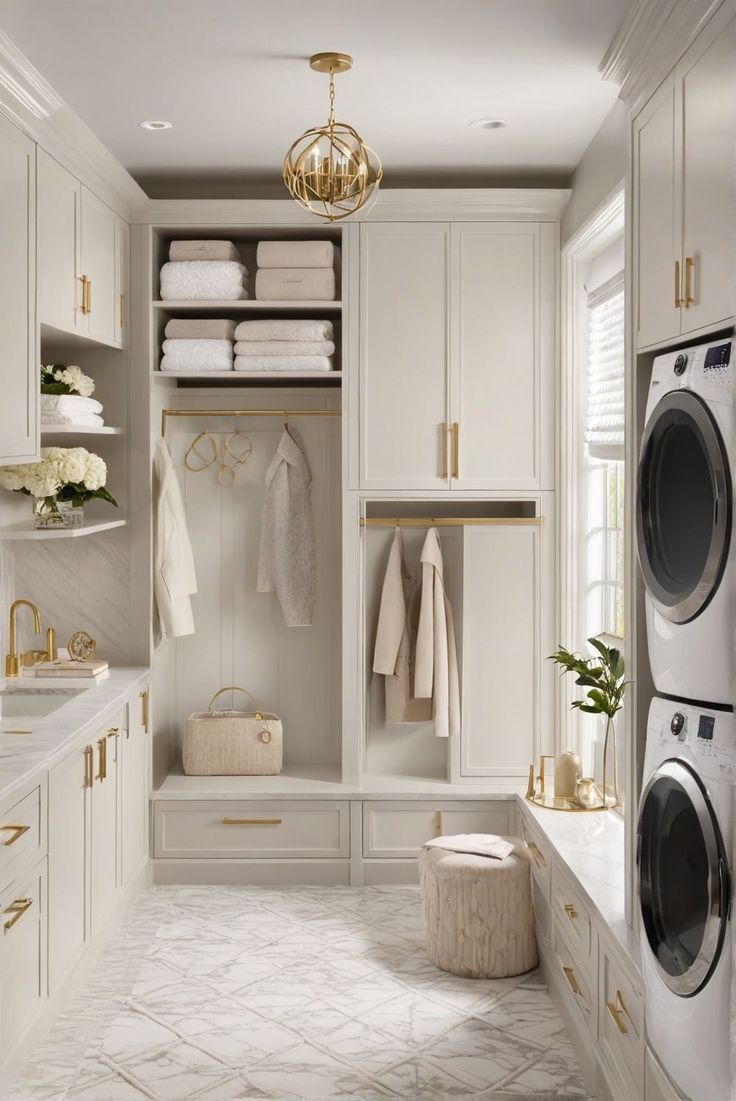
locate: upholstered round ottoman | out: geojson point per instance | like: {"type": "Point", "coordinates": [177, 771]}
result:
{"type": "Point", "coordinates": [478, 912]}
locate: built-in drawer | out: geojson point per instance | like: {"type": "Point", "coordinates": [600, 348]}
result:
{"type": "Point", "coordinates": [540, 855]}
{"type": "Point", "coordinates": [396, 830]}
{"type": "Point", "coordinates": [22, 954]}
{"type": "Point", "coordinates": [20, 833]}
{"type": "Point", "coordinates": [572, 909]}
{"type": "Point", "coordinates": [620, 1026]}
{"type": "Point", "coordinates": [577, 981]}
{"type": "Point", "coordinates": [252, 829]}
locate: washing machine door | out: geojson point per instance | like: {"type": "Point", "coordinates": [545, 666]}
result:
{"type": "Point", "coordinates": [684, 880]}
{"type": "Point", "coordinates": [684, 506]}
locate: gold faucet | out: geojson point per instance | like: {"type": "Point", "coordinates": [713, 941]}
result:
{"type": "Point", "coordinates": [12, 660]}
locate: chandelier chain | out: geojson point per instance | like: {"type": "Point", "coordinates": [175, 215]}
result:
{"type": "Point", "coordinates": [331, 121]}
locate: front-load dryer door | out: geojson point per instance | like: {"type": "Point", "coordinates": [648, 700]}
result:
{"type": "Point", "coordinates": [684, 507]}
{"type": "Point", "coordinates": [684, 880]}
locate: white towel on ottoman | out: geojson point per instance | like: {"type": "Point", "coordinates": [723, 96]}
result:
{"type": "Point", "coordinates": [480, 844]}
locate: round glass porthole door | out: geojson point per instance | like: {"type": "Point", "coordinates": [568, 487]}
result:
{"type": "Point", "coordinates": [684, 506]}
{"type": "Point", "coordinates": [684, 883]}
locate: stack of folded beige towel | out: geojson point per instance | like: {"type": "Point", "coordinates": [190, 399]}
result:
{"type": "Point", "coordinates": [198, 344]}
{"type": "Point", "coordinates": [296, 344]}
{"type": "Point", "coordinates": [295, 270]}
{"type": "Point", "coordinates": [203, 270]}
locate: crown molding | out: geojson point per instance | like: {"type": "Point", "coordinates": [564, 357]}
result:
{"type": "Point", "coordinates": [31, 103]}
{"type": "Point", "coordinates": [651, 40]}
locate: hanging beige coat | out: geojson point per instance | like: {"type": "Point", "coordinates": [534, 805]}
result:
{"type": "Point", "coordinates": [287, 562]}
{"type": "Point", "coordinates": [393, 656]}
{"type": "Point", "coordinates": [436, 673]}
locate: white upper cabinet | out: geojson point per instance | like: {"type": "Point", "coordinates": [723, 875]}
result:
{"type": "Point", "coordinates": [404, 355]}
{"type": "Point", "coordinates": [19, 360]}
{"type": "Point", "coordinates": [122, 268]}
{"type": "Point", "coordinates": [99, 268]}
{"type": "Point", "coordinates": [502, 393]}
{"type": "Point", "coordinates": [683, 190]}
{"type": "Point", "coordinates": [457, 356]}
{"type": "Point", "coordinates": [59, 289]}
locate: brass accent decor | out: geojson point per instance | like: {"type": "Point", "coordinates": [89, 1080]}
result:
{"type": "Point", "coordinates": [17, 833]}
{"type": "Point", "coordinates": [17, 908]}
{"type": "Point", "coordinates": [329, 170]}
{"type": "Point", "coordinates": [81, 646]}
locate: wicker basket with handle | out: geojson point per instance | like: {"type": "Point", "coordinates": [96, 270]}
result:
{"type": "Point", "coordinates": [233, 743]}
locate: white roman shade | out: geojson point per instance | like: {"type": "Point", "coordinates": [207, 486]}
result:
{"type": "Point", "coordinates": [605, 416]}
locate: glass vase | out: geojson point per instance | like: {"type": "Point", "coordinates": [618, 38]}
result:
{"type": "Point", "coordinates": [610, 778]}
{"type": "Point", "coordinates": [50, 512]}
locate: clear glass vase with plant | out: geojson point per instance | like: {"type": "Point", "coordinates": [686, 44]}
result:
{"type": "Point", "coordinates": [603, 676]}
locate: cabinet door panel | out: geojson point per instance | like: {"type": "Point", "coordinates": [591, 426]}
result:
{"type": "Point", "coordinates": [104, 832]}
{"type": "Point", "coordinates": [502, 352]}
{"type": "Point", "coordinates": [68, 868]}
{"type": "Point", "coordinates": [404, 338]}
{"type": "Point", "coordinates": [655, 215]}
{"type": "Point", "coordinates": [134, 754]}
{"type": "Point", "coordinates": [708, 90]}
{"type": "Point", "coordinates": [98, 264]}
{"type": "Point", "coordinates": [500, 672]}
{"type": "Point", "coordinates": [18, 362]}
{"type": "Point", "coordinates": [58, 245]}
{"type": "Point", "coordinates": [122, 267]}
{"type": "Point", "coordinates": [23, 982]}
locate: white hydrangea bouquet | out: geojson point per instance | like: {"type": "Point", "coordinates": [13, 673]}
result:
{"type": "Point", "coordinates": [58, 379]}
{"type": "Point", "coordinates": [61, 483]}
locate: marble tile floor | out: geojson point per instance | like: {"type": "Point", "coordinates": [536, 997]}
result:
{"type": "Point", "coordinates": [286, 994]}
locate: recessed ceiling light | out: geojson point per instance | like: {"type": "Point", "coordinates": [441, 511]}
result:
{"type": "Point", "coordinates": [156, 124]}
{"type": "Point", "coordinates": [487, 124]}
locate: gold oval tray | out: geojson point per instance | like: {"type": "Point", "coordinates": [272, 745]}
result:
{"type": "Point", "coordinates": [557, 802]}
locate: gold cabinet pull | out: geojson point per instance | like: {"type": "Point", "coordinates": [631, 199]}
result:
{"type": "Point", "coordinates": [89, 296]}
{"type": "Point", "coordinates": [16, 833]}
{"type": "Point", "coordinates": [113, 732]}
{"type": "Point", "coordinates": [144, 709]}
{"type": "Point", "coordinates": [17, 908]}
{"type": "Point", "coordinates": [122, 311]}
{"type": "Point", "coordinates": [617, 1015]}
{"type": "Point", "coordinates": [570, 911]}
{"type": "Point", "coordinates": [455, 449]}
{"type": "Point", "coordinates": [250, 821]}
{"type": "Point", "coordinates": [83, 305]}
{"type": "Point", "coordinates": [444, 430]}
{"type": "Point", "coordinates": [102, 768]}
{"type": "Point", "coordinates": [689, 271]}
{"type": "Point", "coordinates": [89, 767]}
{"type": "Point", "coordinates": [678, 297]}
{"type": "Point", "coordinates": [439, 823]}
{"type": "Point", "coordinates": [536, 854]}
{"type": "Point", "coordinates": [572, 980]}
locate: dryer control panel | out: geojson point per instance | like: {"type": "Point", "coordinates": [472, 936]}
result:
{"type": "Point", "coordinates": [707, 369]}
{"type": "Point", "coordinates": [709, 735]}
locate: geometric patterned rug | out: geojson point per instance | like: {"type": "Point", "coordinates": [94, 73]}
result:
{"type": "Point", "coordinates": [294, 993]}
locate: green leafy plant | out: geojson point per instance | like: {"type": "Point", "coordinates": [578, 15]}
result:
{"type": "Point", "coordinates": [603, 676]}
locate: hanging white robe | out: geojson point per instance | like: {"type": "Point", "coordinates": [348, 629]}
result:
{"type": "Point", "coordinates": [436, 673]}
{"type": "Point", "coordinates": [393, 657]}
{"type": "Point", "coordinates": [287, 561]}
{"type": "Point", "coordinates": [174, 580]}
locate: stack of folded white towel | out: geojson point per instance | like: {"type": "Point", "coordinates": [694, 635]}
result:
{"type": "Point", "coordinates": [295, 270]}
{"type": "Point", "coordinates": [290, 345]}
{"type": "Point", "coordinates": [59, 410]}
{"type": "Point", "coordinates": [207, 271]}
{"type": "Point", "coordinates": [198, 344]}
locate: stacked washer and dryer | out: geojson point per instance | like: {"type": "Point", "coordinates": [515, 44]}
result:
{"type": "Point", "coordinates": [687, 555]}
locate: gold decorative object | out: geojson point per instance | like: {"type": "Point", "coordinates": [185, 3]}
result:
{"type": "Point", "coordinates": [568, 770]}
{"type": "Point", "coordinates": [586, 796]}
{"type": "Point", "coordinates": [81, 646]}
{"type": "Point", "coordinates": [329, 170]}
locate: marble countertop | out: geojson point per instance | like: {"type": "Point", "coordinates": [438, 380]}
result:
{"type": "Point", "coordinates": [592, 846]}
{"type": "Point", "coordinates": [31, 743]}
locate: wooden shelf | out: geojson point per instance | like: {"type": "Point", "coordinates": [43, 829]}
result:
{"type": "Point", "coordinates": [80, 430]}
{"type": "Point", "coordinates": [251, 376]}
{"type": "Point", "coordinates": [245, 305]}
{"type": "Point", "coordinates": [25, 530]}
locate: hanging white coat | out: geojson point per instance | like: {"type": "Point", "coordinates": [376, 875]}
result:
{"type": "Point", "coordinates": [436, 673]}
{"type": "Point", "coordinates": [175, 580]}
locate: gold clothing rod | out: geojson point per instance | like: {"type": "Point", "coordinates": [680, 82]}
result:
{"type": "Point", "coordinates": [446, 521]}
{"type": "Point", "coordinates": [286, 413]}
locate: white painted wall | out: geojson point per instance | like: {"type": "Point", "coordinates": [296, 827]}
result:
{"type": "Point", "coordinates": [602, 167]}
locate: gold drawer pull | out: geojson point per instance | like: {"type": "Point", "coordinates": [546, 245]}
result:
{"type": "Point", "coordinates": [144, 710]}
{"type": "Point", "coordinates": [572, 980]}
{"type": "Point", "coordinates": [17, 832]}
{"type": "Point", "coordinates": [455, 449]}
{"type": "Point", "coordinates": [122, 311]}
{"type": "Point", "coordinates": [17, 909]}
{"type": "Point", "coordinates": [617, 1015]}
{"type": "Point", "coordinates": [679, 301]}
{"type": "Point", "coordinates": [89, 767]}
{"type": "Point", "coordinates": [570, 911]}
{"type": "Point", "coordinates": [439, 823]}
{"type": "Point", "coordinates": [250, 821]}
{"type": "Point", "coordinates": [536, 854]}
{"type": "Point", "coordinates": [102, 769]}
{"type": "Point", "coordinates": [444, 430]}
{"type": "Point", "coordinates": [689, 269]}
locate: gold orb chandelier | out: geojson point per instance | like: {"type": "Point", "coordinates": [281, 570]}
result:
{"type": "Point", "coordinates": [329, 170]}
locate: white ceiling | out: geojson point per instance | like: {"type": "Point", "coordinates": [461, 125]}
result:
{"type": "Point", "coordinates": [232, 75]}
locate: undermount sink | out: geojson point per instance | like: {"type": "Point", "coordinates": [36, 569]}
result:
{"type": "Point", "coordinates": [22, 703]}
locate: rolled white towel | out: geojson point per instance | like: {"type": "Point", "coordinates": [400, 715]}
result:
{"type": "Point", "coordinates": [172, 363]}
{"type": "Point", "coordinates": [69, 403]}
{"type": "Point", "coordinates": [214, 355]}
{"type": "Point", "coordinates": [285, 329]}
{"type": "Point", "coordinates": [81, 420]}
{"type": "Point", "coordinates": [284, 348]}
{"type": "Point", "coordinates": [203, 250]}
{"type": "Point", "coordinates": [295, 284]}
{"type": "Point", "coordinates": [295, 254]}
{"type": "Point", "coordinates": [283, 363]}
{"type": "Point", "coordinates": [203, 280]}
